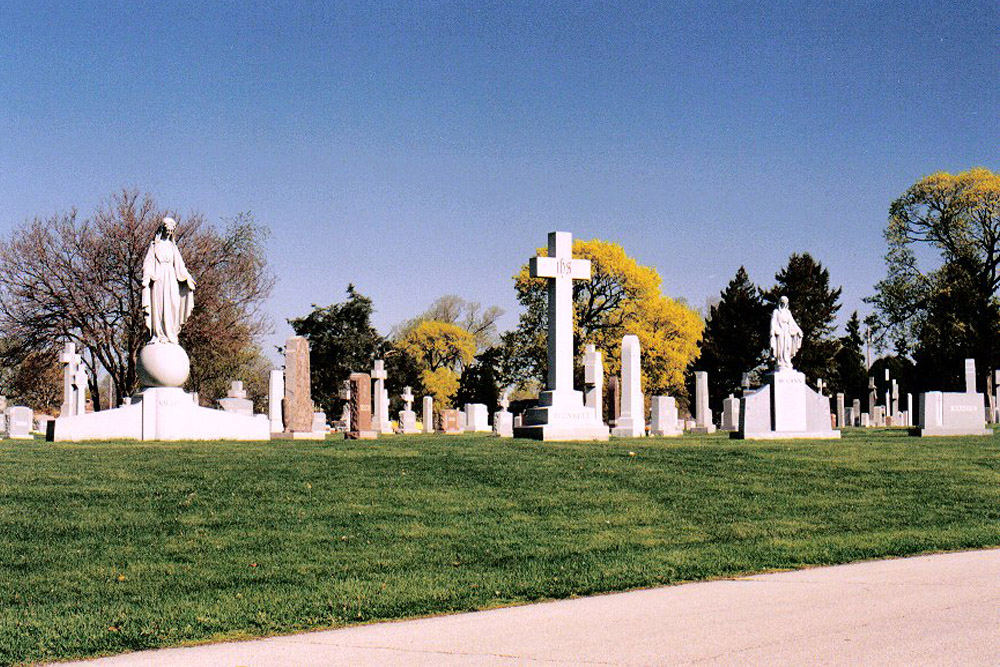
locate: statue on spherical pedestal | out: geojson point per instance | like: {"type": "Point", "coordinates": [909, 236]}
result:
{"type": "Point", "coordinates": [167, 301]}
{"type": "Point", "coordinates": [163, 410]}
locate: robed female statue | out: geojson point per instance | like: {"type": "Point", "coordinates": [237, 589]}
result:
{"type": "Point", "coordinates": [786, 336]}
{"type": "Point", "coordinates": [167, 287]}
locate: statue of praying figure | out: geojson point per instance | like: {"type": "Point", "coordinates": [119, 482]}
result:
{"type": "Point", "coordinates": [167, 287]}
{"type": "Point", "coordinates": [786, 336]}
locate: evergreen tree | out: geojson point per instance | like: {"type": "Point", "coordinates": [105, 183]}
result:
{"type": "Point", "coordinates": [814, 305]}
{"type": "Point", "coordinates": [850, 375]}
{"type": "Point", "coordinates": [735, 340]}
{"type": "Point", "coordinates": [478, 383]}
{"type": "Point", "coordinates": [342, 341]}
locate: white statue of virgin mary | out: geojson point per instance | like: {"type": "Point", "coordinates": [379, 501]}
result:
{"type": "Point", "coordinates": [167, 287]}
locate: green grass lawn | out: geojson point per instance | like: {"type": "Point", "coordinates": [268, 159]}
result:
{"type": "Point", "coordinates": [111, 547]}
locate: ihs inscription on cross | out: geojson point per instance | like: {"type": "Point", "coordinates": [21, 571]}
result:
{"type": "Point", "coordinates": [561, 270]}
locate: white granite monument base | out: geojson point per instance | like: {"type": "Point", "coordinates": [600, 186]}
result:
{"type": "Point", "coordinates": [408, 422]}
{"type": "Point", "coordinates": [160, 413]}
{"type": "Point", "coordinates": [945, 413]}
{"type": "Point", "coordinates": [785, 407]}
{"type": "Point", "coordinates": [561, 416]}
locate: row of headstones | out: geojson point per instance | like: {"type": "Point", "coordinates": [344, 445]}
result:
{"type": "Point", "coordinates": [365, 419]}
{"type": "Point", "coordinates": [627, 411]}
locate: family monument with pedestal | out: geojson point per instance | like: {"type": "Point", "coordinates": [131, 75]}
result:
{"type": "Point", "coordinates": [162, 410]}
{"type": "Point", "coordinates": [561, 413]}
{"type": "Point", "coordinates": [785, 407]}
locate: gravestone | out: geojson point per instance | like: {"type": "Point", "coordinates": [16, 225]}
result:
{"type": "Point", "coordinates": [996, 399]}
{"type": "Point", "coordinates": [786, 406]}
{"type": "Point", "coordinates": [20, 420]}
{"type": "Point", "coordinates": [275, 395]}
{"type": "Point", "coordinates": [895, 398]}
{"type": "Point", "coordinates": [407, 417]}
{"type": "Point", "coordinates": [345, 413]}
{"type": "Point", "coordinates": [298, 405]}
{"type": "Point", "coordinates": [872, 396]}
{"type": "Point", "coordinates": [849, 417]}
{"type": "Point", "coordinates": [866, 420]}
{"type": "Point", "coordinates": [730, 414]}
{"type": "Point", "coordinates": [361, 408]}
{"type": "Point", "coordinates": [428, 414]}
{"type": "Point", "coordinates": [631, 421]}
{"type": "Point", "coordinates": [80, 390]}
{"type": "Point", "coordinates": [970, 376]}
{"type": "Point", "coordinates": [614, 396]}
{"type": "Point", "coordinates": [593, 380]}
{"type": "Point", "coordinates": [702, 413]}
{"type": "Point", "coordinates": [3, 415]}
{"type": "Point", "coordinates": [380, 412]}
{"type": "Point", "coordinates": [952, 413]}
{"type": "Point", "coordinates": [909, 410]}
{"type": "Point", "coordinates": [71, 363]}
{"type": "Point", "coordinates": [503, 421]}
{"type": "Point", "coordinates": [319, 424]}
{"type": "Point", "coordinates": [663, 415]}
{"type": "Point", "coordinates": [476, 418]}
{"type": "Point", "coordinates": [450, 421]}
{"type": "Point", "coordinates": [841, 417]}
{"type": "Point", "coordinates": [236, 400]}
{"type": "Point", "coordinates": [878, 416]}
{"type": "Point", "coordinates": [561, 413]}
{"type": "Point", "coordinates": [856, 406]}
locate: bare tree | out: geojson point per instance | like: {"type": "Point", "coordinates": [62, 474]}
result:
{"type": "Point", "coordinates": [65, 279]}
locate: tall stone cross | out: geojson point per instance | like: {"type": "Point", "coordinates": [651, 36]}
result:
{"type": "Point", "coordinates": [561, 270]}
{"type": "Point", "coordinates": [407, 397]}
{"type": "Point", "coordinates": [70, 360]}
{"type": "Point", "coordinates": [380, 415]}
{"type": "Point", "coordinates": [504, 402]}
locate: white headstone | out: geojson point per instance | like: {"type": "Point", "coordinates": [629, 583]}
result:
{"type": "Point", "coordinates": [841, 417]}
{"type": "Point", "coordinates": [970, 376]}
{"type": "Point", "coordinates": [593, 379]}
{"type": "Point", "coordinates": [80, 390]}
{"type": "Point", "coordinates": [20, 420]}
{"type": "Point", "coordinates": [275, 394]}
{"type": "Point", "coordinates": [632, 416]}
{"type": "Point", "coordinates": [663, 417]}
{"type": "Point", "coordinates": [702, 413]}
{"type": "Point", "coordinates": [236, 400]}
{"type": "Point", "coordinates": [71, 362]}
{"type": "Point", "coordinates": [476, 418]}
{"type": "Point", "coordinates": [503, 421]}
{"type": "Point", "coordinates": [380, 410]}
{"type": "Point", "coordinates": [407, 417]}
{"type": "Point", "coordinates": [428, 414]}
{"type": "Point", "coordinates": [561, 413]}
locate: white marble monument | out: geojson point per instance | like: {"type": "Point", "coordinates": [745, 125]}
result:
{"type": "Point", "coordinates": [631, 421]}
{"type": "Point", "coordinates": [503, 421]}
{"type": "Point", "coordinates": [663, 417]}
{"type": "Point", "coordinates": [593, 380]}
{"type": "Point", "coordinates": [702, 413]}
{"type": "Point", "coordinates": [785, 407]}
{"type": "Point", "coordinates": [380, 395]}
{"type": "Point", "coordinates": [162, 410]}
{"type": "Point", "coordinates": [236, 400]}
{"type": "Point", "coordinates": [561, 413]}
{"type": "Point", "coordinates": [476, 418]}
{"type": "Point", "coordinates": [275, 394]}
{"type": "Point", "coordinates": [407, 417]}
{"type": "Point", "coordinates": [730, 414]}
{"type": "Point", "coordinates": [428, 414]}
{"type": "Point", "coordinates": [945, 413]}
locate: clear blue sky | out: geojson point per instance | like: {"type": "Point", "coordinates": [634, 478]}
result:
{"type": "Point", "coordinates": [418, 149]}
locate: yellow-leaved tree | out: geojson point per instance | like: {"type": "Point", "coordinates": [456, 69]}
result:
{"type": "Point", "coordinates": [622, 297]}
{"type": "Point", "coordinates": [440, 350]}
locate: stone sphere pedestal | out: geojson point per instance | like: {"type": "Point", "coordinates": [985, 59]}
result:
{"type": "Point", "coordinates": [163, 365]}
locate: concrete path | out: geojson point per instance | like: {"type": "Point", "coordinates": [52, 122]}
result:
{"type": "Point", "coordinates": [942, 609]}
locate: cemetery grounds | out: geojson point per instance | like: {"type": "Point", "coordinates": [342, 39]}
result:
{"type": "Point", "coordinates": [113, 547]}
